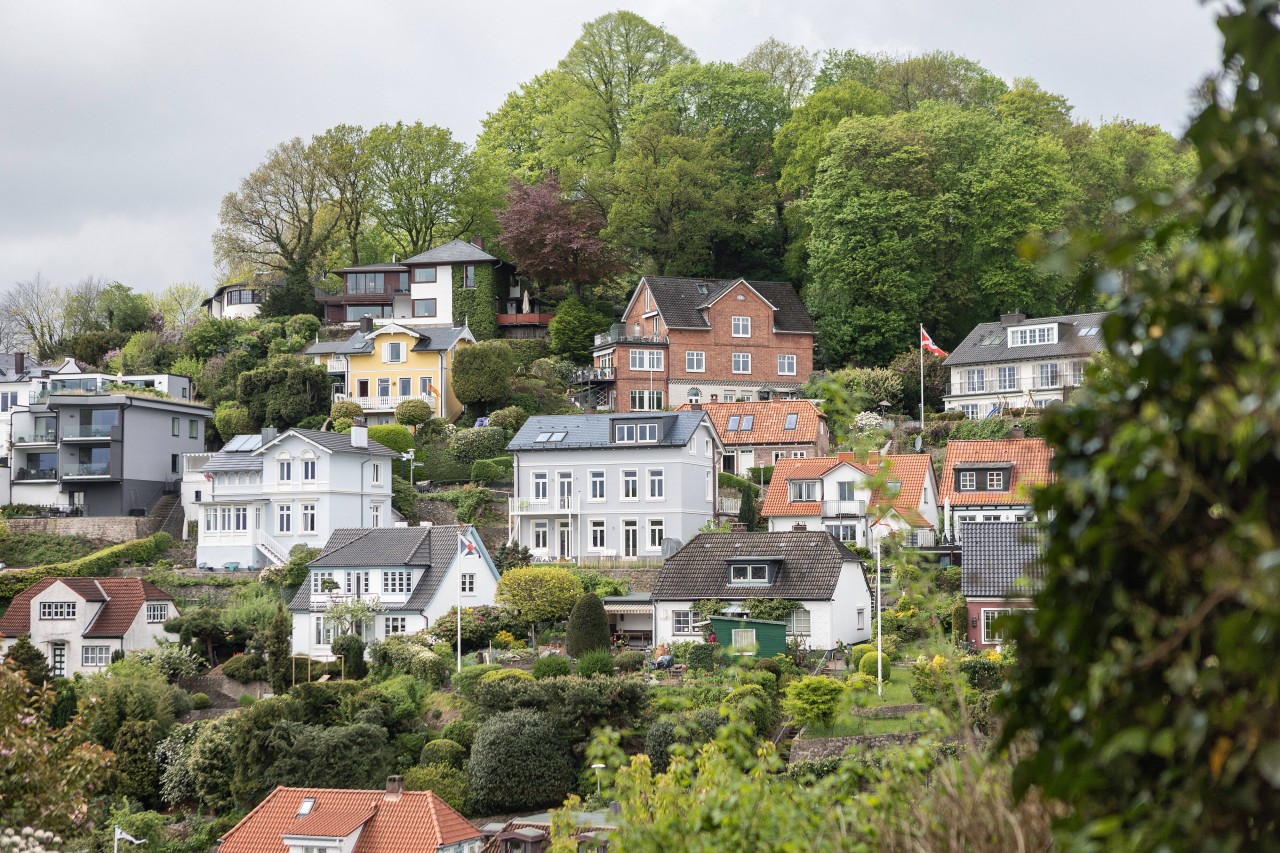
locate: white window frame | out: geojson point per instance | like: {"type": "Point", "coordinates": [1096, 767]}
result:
{"type": "Point", "coordinates": [970, 410]}
{"type": "Point", "coordinates": [284, 470]}
{"type": "Point", "coordinates": [1050, 374]}
{"type": "Point", "coordinates": [862, 619]}
{"type": "Point", "coordinates": [95, 655]}
{"type": "Point", "coordinates": [657, 485]}
{"type": "Point", "coordinates": [57, 610]}
{"type": "Point", "coordinates": [284, 518]}
{"type": "Point", "coordinates": [643, 400]}
{"type": "Point", "coordinates": [376, 479]}
{"type": "Point", "coordinates": [681, 622]}
{"type": "Point", "coordinates": [596, 537]}
{"type": "Point", "coordinates": [317, 582]}
{"type": "Point", "coordinates": [646, 433]}
{"type": "Point", "coordinates": [541, 535]}
{"type": "Point", "coordinates": [786, 364]}
{"type": "Point", "coordinates": [968, 481]}
{"type": "Point", "coordinates": [749, 573]}
{"type": "Point", "coordinates": [631, 476]}
{"type": "Point", "coordinates": [742, 638]}
{"type": "Point", "coordinates": [598, 491]}
{"type": "Point", "coordinates": [995, 481]}
{"type": "Point", "coordinates": [742, 362]}
{"type": "Point", "coordinates": [646, 360]}
{"type": "Point", "coordinates": [975, 380]}
{"type": "Point", "coordinates": [157, 612]}
{"type": "Point", "coordinates": [695, 361]}
{"type": "Point", "coordinates": [740, 327]}
{"type": "Point", "coordinates": [988, 616]}
{"type": "Point", "coordinates": [799, 623]}
{"type": "Point", "coordinates": [324, 631]}
{"type": "Point", "coordinates": [375, 514]}
{"type": "Point", "coordinates": [394, 625]}
{"type": "Point", "coordinates": [241, 519]}
{"type": "Point", "coordinates": [539, 486]}
{"type": "Point", "coordinates": [803, 491]}
{"type": "Point", "coordinates": [467, 583]}
{"type": "Point", "coordinates": [655, 526]}
{"type": "Point", "coordinates": [624, 433]}
{"type": "Point", "coordinates": [1006, 378]}
{"type": "Point", "coordinates": [397, 581]}
{"type": "Point", "coordinates": [308, 518]}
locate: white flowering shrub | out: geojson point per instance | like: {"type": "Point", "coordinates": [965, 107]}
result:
{"type": "Point", "coordinates": [28, 840]}
{"type": "Point", "coordinates": [868, 422]}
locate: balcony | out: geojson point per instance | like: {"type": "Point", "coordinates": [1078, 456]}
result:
{"type": "Point", "coordinates": [563, 505]}
{"type": "Point", "coordinates": [620, 334]}
{"type": "Point", "coordinates": [960, 389]}
{"type": "Point", "coordinates": [36, 438]}
{"type": "Point", "coordinates": [337, 364]}
{"type": "Point", "coordinates": [530, 319]}
{"type": "Point", "coordinates": [193, 462]}
{"type": "Point", "coordinates": [87, 469]}
{"type": "Point", "coordinates": [838, 508]}
{"type": "Point", "coordinates": [91, 432]}
{"type": "Point", "coordinates": [383, 403]}
{"type": "Point", "coordinates": [36, 475]}
{"type": "Point", "coordinates": [594, 374]}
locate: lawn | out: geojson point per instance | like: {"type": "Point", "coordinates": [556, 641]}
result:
{"type": "Point", "coordinates": [896, 692]}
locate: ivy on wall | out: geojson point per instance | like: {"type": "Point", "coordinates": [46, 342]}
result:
{"type": "Point", "coordinates": [477, 305]}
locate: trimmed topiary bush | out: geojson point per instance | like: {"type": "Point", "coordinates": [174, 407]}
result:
{"type": "Point", "coordinates": [246, 668]}
{"type": "Point", "coordinates": [444, 751]}
{"type": "Point", "coordinates": [505, 675]}
{"type": "Point", "coordinates": [199, 701]}
{"type": "Point", "coordinates": [462, 732]}
{"type": "Point", "coordinates": [552, 666]}
{"type": "Point", "coordinates": [519, 763]}
{"type": "Point", "coordinates": [629, 661]}
{"type": "Point", "coordinates": [448, 783]}
{"type": "Point", "coordinates": [868, 665]}
{"type": "Point", "coordinates": [703, 656]}
{"type": "Point", "coordinates": [466, 680]}
{"type": "Point", "coordinates": [595, 662]}
{"type": "Point", "coordinates": [753, 703]}
{"type": "Point", "coordinates": [769, 665]}
{"type": "Point", "coordinates": [859, 651]}
{"type": "Point", "coordinates": [588, 626]}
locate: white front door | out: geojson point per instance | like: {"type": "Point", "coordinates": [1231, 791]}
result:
{"type": "Point", "coordinates": [565, 539]}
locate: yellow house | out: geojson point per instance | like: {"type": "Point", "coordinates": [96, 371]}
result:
{"type": "Point", "coordinates": [379, 368]}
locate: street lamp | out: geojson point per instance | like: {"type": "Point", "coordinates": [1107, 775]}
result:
{"type": "Point", "coordinates": [597, 767]}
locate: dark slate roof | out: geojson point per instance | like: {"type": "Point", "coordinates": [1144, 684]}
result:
{"type": "Point", "coordinates": [453, 252]}
{"type": "Point", "coordinates": [237, 455]}
{"type": "Point", "coordinates": [989, 342]}
{"type": "Point", "coordinates": [336, 442]}
{"type": "Point", "coordinates": [585, 432]}
{"type": "Point", "coordinates": [357, 343]}
{"type": "Point", "coordinates": [996, 555]}
{"type": "Point", "coordinates": [680, 301]}
{"type": "Point", "coordinates": [438, 338]}
{"type": "Point", "coordinates": [811, 564]}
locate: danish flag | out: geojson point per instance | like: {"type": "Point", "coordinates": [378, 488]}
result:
{"type": "Point", "coordinates": [926, 343]}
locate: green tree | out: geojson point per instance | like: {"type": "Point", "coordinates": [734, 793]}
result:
{"type": "Point", "coordinates": [202, 623]}
{"type": "Point", "coordinates": [574, 328]}
{"type": "Point", "coordinates": [813, 700]}
{"type": "Point", "coordinates": [448, 783]}
{"type": "Point", "coordinates": [413, 413]}
{"type": "Point", "coordinates": [351, 647]}
{"type": "Point", "coordinates": [482, 372]}
{"type": "Point", "coordinates": [747, 507]}
{"type": "Point", "coordinates": [345, 409]}
{"type": "Point", "coordinates": [518, 762]}
{"type": "Point", "coordinates": [279, 647]}
{"type": "Point", "coordinates": [284, 391]}
{"type": "Point", "coordinates": [129, 691]}
{"type": "Point", "coordinates": [909, 81]}
{"type": "Point", "coordinates": [123, 310]}
{"type": "Point", "coordinates": [25, 658]}
{"type": "Point", "coordinates": [800, 143]}
{"type": "Point", "coordinates": [48, 776]}
{"type": "Point", "coordinates": [588, 626]}
{"type": "Point", "coordinates": [136, 774]}
{"type": "Point", "coordinates": [1156, 691]}
{"type": "Point", "coordinates": [789, 68]}
{"type": "Point", "coordinates": [343, 158]}
{"type": "Point", "coordinates": [214, 758]}
{"type": "Point", "coordinates": [539, 593]}
{"type": "Point", "coordinates": [231, 419]}
{"type": "Point", "coordinates": [180, 306]}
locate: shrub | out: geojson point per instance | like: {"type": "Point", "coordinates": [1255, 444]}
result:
{"type": "Point", "coordinates": [753, 703]}
{"type": "Point", "coordinates": [468, 445]}
{"type": "Point", "coordinates": [769, 665]}
{"type": "Point", "coordinates": [346, 409]}
{"type": "Point", "coordinates": [465, 681]}
{"type": "Point", "coordinates": [552, 666]}
{"type": "Point", "coordinates": [97, 564]}
{"type": "Point", "coordinates": [595, 662]}
{"type": "Point", "coordinates": [447, 782]}
{"type": "Point", "coordinates": [703, 656]}
{"type": "Point", "coordinates": [763, 474]}
{"type": "Point", "coordinates": [858, 652]}
{"type": "Point", "coordinates": [509, 419]}
{"type": "Point", "coordinates": [444, 751]}
{"type": "Point", "coordinates": [518, 763]}
{"type": "Point", "coordinates": [948, 579]}
{"type": "Point", "coordinates": [246, 668]}
{"type": "Point", "coordinates": [588, 626]}
{"type": "Point", "coordinates": [413, 413]}
{"type": "Point", "coordinates": [867, 666]}
{"type": "Point", "coordinates": [629, 661]}
{"type": "Point", "coordinates": [484, 471]}
{"type": "Point", "coordinates": [410, 654]}
{"type": "Point", "coordinates": [200, 701]}
{"type": "Point", "coordinates": [461, 732]}
{"type": "Point", "coordinates": [505, 675]}
{"type": "Point", "coordinates": [983, 672]}
{"type": "Point", "coordinates": [959, 621]}
{"type": "Point", "coordinates": [813, 699]}
{"type": "Point", "coordinates": [351, 648]}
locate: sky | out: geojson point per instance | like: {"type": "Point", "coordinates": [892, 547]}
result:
{"type": "Point", "coordinates": [123, 124]}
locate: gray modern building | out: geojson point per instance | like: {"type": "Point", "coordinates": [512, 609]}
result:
{"type": "Point", "coordinates": [628, 486]}
{"type": "Point", "coordinates": [104, 446]}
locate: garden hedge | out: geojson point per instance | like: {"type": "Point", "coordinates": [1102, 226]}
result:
{"type": "Point", "coordinates": [97, 564]}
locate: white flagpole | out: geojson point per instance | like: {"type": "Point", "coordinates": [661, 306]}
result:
{"type": "Point", "coordinates": [460, 550]}
{"type": "Point", "coordinates": [922, 378]}
{"type": "Point", "coordinates": [879, 632]}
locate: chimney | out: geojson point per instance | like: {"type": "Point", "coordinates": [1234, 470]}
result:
{"type": "Point", "coordinates": [478, 242]}
{"type": "Point", "coordinates": [737, 527]}
{"type": "Point", "coordinates": [366, 324]}
{"type": "Point", "coordinates": [19, 363]}
{"type": "Point", "coordinates": [1012, 319]}
{"type": "Point", "coordinates": [359, 433]}
{"type": "Point", "coordinates": [695, 407]}
{"type": "Point", "coordinates": [1016, 431]}
{"type": "Point", "coordinates": [799, 527]}
{"type": "Point", "coordinates": [395, 787]}
{"type": "Point", "coordinates": [269, 434]}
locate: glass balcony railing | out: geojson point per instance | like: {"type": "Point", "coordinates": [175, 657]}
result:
{"type": "Point", "coordinates": [35, 474]}
{"type": "Point", "coordinates": [88, 469]}
{"type": "Point", "coordinates": [90, 431]}
{"type": "Point", "coordinates": [36, 438]}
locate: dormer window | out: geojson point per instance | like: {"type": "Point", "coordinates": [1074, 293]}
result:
{"type": "Point", "coordinates": [624, 434]}
{"type": "Point", "coordinates": [968, 481]}
{"type": "Point", "coordinates": [749, 573]}
{"type": "Point", "coordinates": [1030, 336]}
{"type": "Point", "coordinates": [632, 433]}
{"type": "Point", "coordinates": [995, 481]}
{"type": "Point", "coordinates": [646, 432]}
{"type": "Point", "coordinates": [803, 490]}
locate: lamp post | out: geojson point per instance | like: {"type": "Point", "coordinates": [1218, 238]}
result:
{"type": "Point", "coordinates": [879, 610]}
{"type": "Point", "coordinates": [597, 767]}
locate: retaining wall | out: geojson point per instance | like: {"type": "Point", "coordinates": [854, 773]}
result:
{"type": "Point", "coordinates": [816, 749]}
{"type": "Point", "coordinates": [104, 528]}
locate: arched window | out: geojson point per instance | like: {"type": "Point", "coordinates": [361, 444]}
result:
{"type": "Point", "coordinates": [695, 394]}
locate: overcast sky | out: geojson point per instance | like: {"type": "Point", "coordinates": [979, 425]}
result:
{"type": "Point", "coordinates": [123, 124]}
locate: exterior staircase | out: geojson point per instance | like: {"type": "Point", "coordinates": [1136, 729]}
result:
{"type": "Point", "coordinates": [276, 552]}
{"type": "Point", "coordinates": [169, 510]}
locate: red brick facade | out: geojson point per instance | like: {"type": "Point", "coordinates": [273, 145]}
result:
{"type": "Point", "coordinates": [646, 329]}
{"type": "Point", "coordinates": [977, 605]}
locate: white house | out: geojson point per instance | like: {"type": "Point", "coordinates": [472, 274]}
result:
{"type": "Point", "coordinates": [264, 494]}
{"type": "Point", "coordinates": [1021, 362]}
{"type": "Point", "coordinates": [80, 622]}
{"type": "Point", "coordinates": [809, 567]}
{"type": "Point", "coordinates": [416, 574]}
{"type": "Point", "coordinates": [992, 481]}
{"type": "Point", "coordinates": [624, 485]}
{"type": "Point", "coordinates": [240, 300]}
{"type": "Point", "coordinates": [856, 499]}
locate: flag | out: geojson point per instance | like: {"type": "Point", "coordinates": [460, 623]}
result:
{"type": "Point", "coordinates": [121, 835]}
{"type": "Point", "coordinates": [431, 389]}
{"type": "Point", "coordinates": [466, 548]}
{"type": "Point", "coordinates": [926, 343]}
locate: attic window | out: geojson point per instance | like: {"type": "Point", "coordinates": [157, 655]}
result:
{"type": "Point", "coordinates": [1087, 331]}
{"type": "Point", "coordinates": [893, 486]}
{"type": "Point", "coordinates": [791, 421]}
{"type": "Point", "coordinates": [557, 436]}
{"type": "Point", "coordinates": [543, 436]}
{"type": "Point", "coordinates": [749, 573]}
{"type": "Point", "coordinates": [733, 424]}
{"type": "Point", "coordinates": [747, 422]}
{"type": "Point", "coordinates": [305, 808]}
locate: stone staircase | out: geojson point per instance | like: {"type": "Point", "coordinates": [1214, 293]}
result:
{"type": "Point", "coordinates": [169, 510]}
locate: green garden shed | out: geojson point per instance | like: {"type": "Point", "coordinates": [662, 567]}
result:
{"type": "Point", "coordinates": [769, 638]}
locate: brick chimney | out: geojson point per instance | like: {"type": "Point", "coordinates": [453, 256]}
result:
{"type": "Point", "coordinates": [478, 242]}
{"type": "Point", "coordinates": [1013, 318]}
{"type": "Point", "coordinates": [395, 787]}
{"type": "Point", "coordinates": [1016, 431]}
{"type": "Point", "coordinates": [695, 407]}
{"type": "Point", "coordinates": [19, 363]}
{"type": "Point", "coordinates": [799, 527]}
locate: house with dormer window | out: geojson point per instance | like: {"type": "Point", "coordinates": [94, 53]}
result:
{"type": "Point", "coordinates": [808, 567]}
{"type": "Point", "coordinates": [759, 433]}
{"type": "Point", "coordinates": [992, 481]}
{"type": "Point", "coordinates": [1021, 363]}
{"type": "Point", "coordinates": [857, 499]}
{"type": "Point", "coordinates": [687, 340]}
{"type": "Point", "coordinates": [337, 820]}
{"type": "Point", "coordinates": [629, 486]}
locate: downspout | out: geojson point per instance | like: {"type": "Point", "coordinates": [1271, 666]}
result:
{"type": "Point", "coordinates": [362, 501]}
{"type": "Point", "coordinates": [515, 496]}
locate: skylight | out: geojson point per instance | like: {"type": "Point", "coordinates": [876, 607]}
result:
{"type": "Point", "coordinates": [733, 424]}
{"type": "Point", "coordinates": [543, 436]}
{"type": "Point", "coordinates": [550, 436]}
{"type": "Point", "coordinates": [791, 420]}
{"type": "Point", "coordinates": [1087, 331]}
{"type": "Point", "coordinates": [747, 422]}
{"type": "Point", "coordinates": [305, 808]}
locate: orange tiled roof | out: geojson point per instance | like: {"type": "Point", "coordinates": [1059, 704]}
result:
{"type": "Point", "coordinates": [769, 421]}
{"type": "Point", "coordinates": [124, 597]}
{"type": "Point", "coordinates": [910, 469]}
{"type": "Point", "coordinates": [413, 822]}
{"type": "Point", "coordinates": [1030, 458]}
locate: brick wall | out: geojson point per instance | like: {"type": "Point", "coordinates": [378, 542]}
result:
{"type": "Point", "coordinates": [103, 528]}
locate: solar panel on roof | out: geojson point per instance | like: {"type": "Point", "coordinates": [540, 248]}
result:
{"type": "Point", "coordinates": [240, 443]}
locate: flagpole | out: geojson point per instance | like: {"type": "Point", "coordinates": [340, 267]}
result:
{"type": "Point", "coordinates": [460, 567]}
{"type": "Point", "coordinates": [922, 378]}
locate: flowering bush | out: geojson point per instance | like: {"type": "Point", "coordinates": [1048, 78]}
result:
{"type": "Point", "coordinates": [28, 840]}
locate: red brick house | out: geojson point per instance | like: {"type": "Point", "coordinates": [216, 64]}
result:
{"type": "Point", "coordinates": [690, 340]}
{"type": "Point", "coordinates": [1001, 569]}
{"type": "Point", "coordinates": [763, 432]}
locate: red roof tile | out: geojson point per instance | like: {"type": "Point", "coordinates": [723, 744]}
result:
{"type": "Point", "coordinates": [124, 597]}
{"type": "Point", "coordinates": [413, 822]}
{"type": "Point", "coordinates": [769, 421]}
{"type": "Point", "coordinates": [777, 498]}
{"type": "Point", "coordinates": [910, 469]}
{"type": "Point", "coordinates": [1030, 458]}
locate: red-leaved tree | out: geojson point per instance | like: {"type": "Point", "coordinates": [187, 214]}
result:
{"type": "Point", "coordinates": [555, 239]}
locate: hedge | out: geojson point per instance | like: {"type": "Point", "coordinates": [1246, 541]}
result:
{"type": "Point", "coordinates": [97, 564]}
{"type": "Point", "coordinates": [729, 481]}
{"type": "Point", "coordinates": [499, 470]}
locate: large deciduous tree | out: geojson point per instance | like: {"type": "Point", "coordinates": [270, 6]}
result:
{"type": "Point", "coordinates": [180, 305]}
{"type": "Point", "coordinates": [36, 309]}
{"type": "Point", "coordinates": [342, 155]}
{"type": "Point", "coordinates": [539, 593]}
{"type": "Point", "coordinates": [556, 239]}
{"type": "Point", "coordinates": [283, 217]}
{"type": "Point", "coordinates": [1147, 679]}
{"type": "Point", "coordinates": [789, 67]}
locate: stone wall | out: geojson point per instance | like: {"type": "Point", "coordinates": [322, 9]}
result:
{"type": "Point", "coordinates": [880, 712]}
{"type": "Point", "coordinates": [816, 749]}
{"type": "Point", "coordinates": [102, 528]}
{"type": "Point", "coordinates": [642, 578]}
